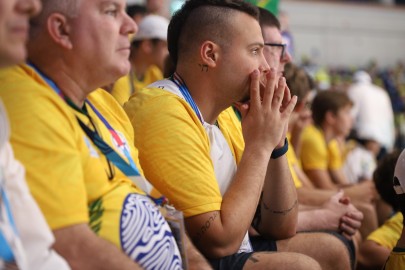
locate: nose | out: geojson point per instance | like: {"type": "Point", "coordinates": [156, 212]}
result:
{"type": "Point", "coordinates": [29, 7]}
{"type": "Point", "coordinates": [129, 26]}
{"type": "Point", "coordinates": [287, 57]}
{"type": "Point", "coordinates": [264, 66]}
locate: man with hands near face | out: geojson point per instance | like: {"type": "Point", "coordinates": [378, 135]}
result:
{"type": "Point", "coordinates": [192, 155]}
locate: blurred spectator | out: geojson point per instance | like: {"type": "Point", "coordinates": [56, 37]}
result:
{"type": "Point", "coordinates": [158, 7]}
{"type": "Point", "coordinates": [136, 12]}
{"type": "Point", "coordinates": [372, 112]}
{"type": "Point", "coordinates": [321, 156]}
{"type": "Point", "coordinates": [286, 32]}
{"type": "Point", "coordinates": [376, 247]}
{"type": "Point", "coordinates": [396, 259]}
{"type": "Point", "coordinates": [360, 162]}
{"type": "Point", "coordinates": [148, 53]}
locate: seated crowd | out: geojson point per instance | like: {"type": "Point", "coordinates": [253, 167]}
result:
{"type": "Point", "coordinates": [233, 161]}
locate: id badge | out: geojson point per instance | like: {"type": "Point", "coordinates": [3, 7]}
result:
{"type": "Point", "coordinates": [175, 220]}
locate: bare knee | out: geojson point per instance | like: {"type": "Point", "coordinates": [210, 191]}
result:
{"type": "Point", "coordinates": [281, 261]}
{"type": "Point", "coordinates": [336, 253]}
{"type": "Point", "coordinates": [325, 248]}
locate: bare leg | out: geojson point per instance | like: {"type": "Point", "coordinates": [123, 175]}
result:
{"type": "Point", "coordinates": [280, 261]}
{"type": "Point", "coordinates": [326, 249]}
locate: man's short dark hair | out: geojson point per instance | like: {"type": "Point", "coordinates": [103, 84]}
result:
{"type": "Point", "coordinates": [268, 19]}
{"type": "Point", "coordinates": [200, 20]}
{"type": "Point", "coordinates": [382, 177]}
{"type": "Point", "coordinates": [298, 80]}
{"type": "Point", "coordinates": [328, 101]}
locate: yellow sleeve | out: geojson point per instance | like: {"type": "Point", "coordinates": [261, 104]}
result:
{"type": "Point", "coordinates": [388, 234]}
{"type": "Point", "coordinates": [314, 154]}
{"type": "Point", "coordinates": [45, 141]}
{"type": "Point", "coordinates": [396, 260]}
{"type": "Point", "coordinates": [174, 150]}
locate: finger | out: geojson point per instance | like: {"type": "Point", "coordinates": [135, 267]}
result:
{"type": "Point", "coordinates": [352, 223]}
{"type": "Point", "coordinates": [347, 236]}
{"type": "Point", "coordinates": [357, 215]}
{"type": "Point", "coordinates": [290, 107]}
{"type": "Point", "coordinates": [279, 93]}
{"type": "Point", "coordinates": [270, 88]}
{"type": "Point", "coordinates": [287, 96]}
{"type": "Point", "coordinates": [347, 229]}
{"type": "Point", "coordinates": [255, 99]}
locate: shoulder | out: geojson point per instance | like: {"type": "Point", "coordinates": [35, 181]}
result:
{"type": "Point", "coordinates": [154, 73]}
{"type": "Point", "coordinates": [28, 99]}
{"type": "Point", "coordinates": [312, 133]}
{"type": "Point", "coordinates": [159, 101]}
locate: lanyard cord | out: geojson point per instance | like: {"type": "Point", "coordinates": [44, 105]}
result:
{"type": "Point", "coordinates": [108, 151]}
{"type": "Point", "coordinates": [117, 139]}
{"type": "Point", "coordinates": [186, 94]}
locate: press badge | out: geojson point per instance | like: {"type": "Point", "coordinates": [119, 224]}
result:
{"type": "Point", "coordinates": [175, 220]}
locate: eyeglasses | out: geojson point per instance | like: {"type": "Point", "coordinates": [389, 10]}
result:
{"type": "Point", "coordinates": [283, 46]}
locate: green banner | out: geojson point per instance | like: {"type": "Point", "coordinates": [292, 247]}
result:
{"type": "Point", "coordinates": [271, 5]}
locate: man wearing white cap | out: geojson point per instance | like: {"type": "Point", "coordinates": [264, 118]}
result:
{"type": "Point", "coordinates": [372, 112]}
{"type": "Point", "coordinates": [148, 53]}
{"type": "Point", "coordinates": [397, 257]}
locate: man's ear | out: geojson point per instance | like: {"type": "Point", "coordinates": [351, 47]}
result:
{"type": "Point", "coordinates": [209, 53]}
{"type": "Point", "coordinates": [59, 30]}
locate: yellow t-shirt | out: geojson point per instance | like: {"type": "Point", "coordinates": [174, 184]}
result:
{"type": "Point", "coordinates": [174, 149]}
{"type": "Point", "coordinates": [66, 173]}
{"type": "Point", "coordinates": [123, 88]}
{"type": "Point", "coordinates": [316, 154]}
{"type": "Point", "coordinates": [388, 234]}
{"type": "Point", "coordinates": [396, 260]}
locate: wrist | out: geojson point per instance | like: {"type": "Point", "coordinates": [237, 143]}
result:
{"type": "Point", "coordinates": [280, 151]}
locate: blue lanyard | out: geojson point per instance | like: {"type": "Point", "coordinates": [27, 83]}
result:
{"type": "Point", "coordinates": [186, 94]}
{"type": "Point", "coordinates": [110, 153]}
{"type": "Point", "coordinates": [116, 138]}
{"type": "Point", "coordinates": [48, 81]}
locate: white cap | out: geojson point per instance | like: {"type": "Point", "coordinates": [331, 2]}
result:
{"type": "Point", "coordinates": [361, 77]}
{"type": "Point", "coordinates": [152, 26]}
{"type": "Point", "coordinates": [399, 174]}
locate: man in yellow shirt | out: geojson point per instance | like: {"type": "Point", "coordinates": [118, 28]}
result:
{"type": "Point", "coordinates": [209, 171]}
{"type": "Point", "coordinates": [74, 141]}
{"type": "Point", "coordinates": [25, 239]}
{"type": "Point", "coordinates": [375, 250]}
{"type": "Point", "coordinates": [321, 156]}
{"type": "Point", "coordinates": [148, 53]}
{"type": "Point", "coordinates": [396, 259]}
{"type": "Point", "coordinates": [336, 213]}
